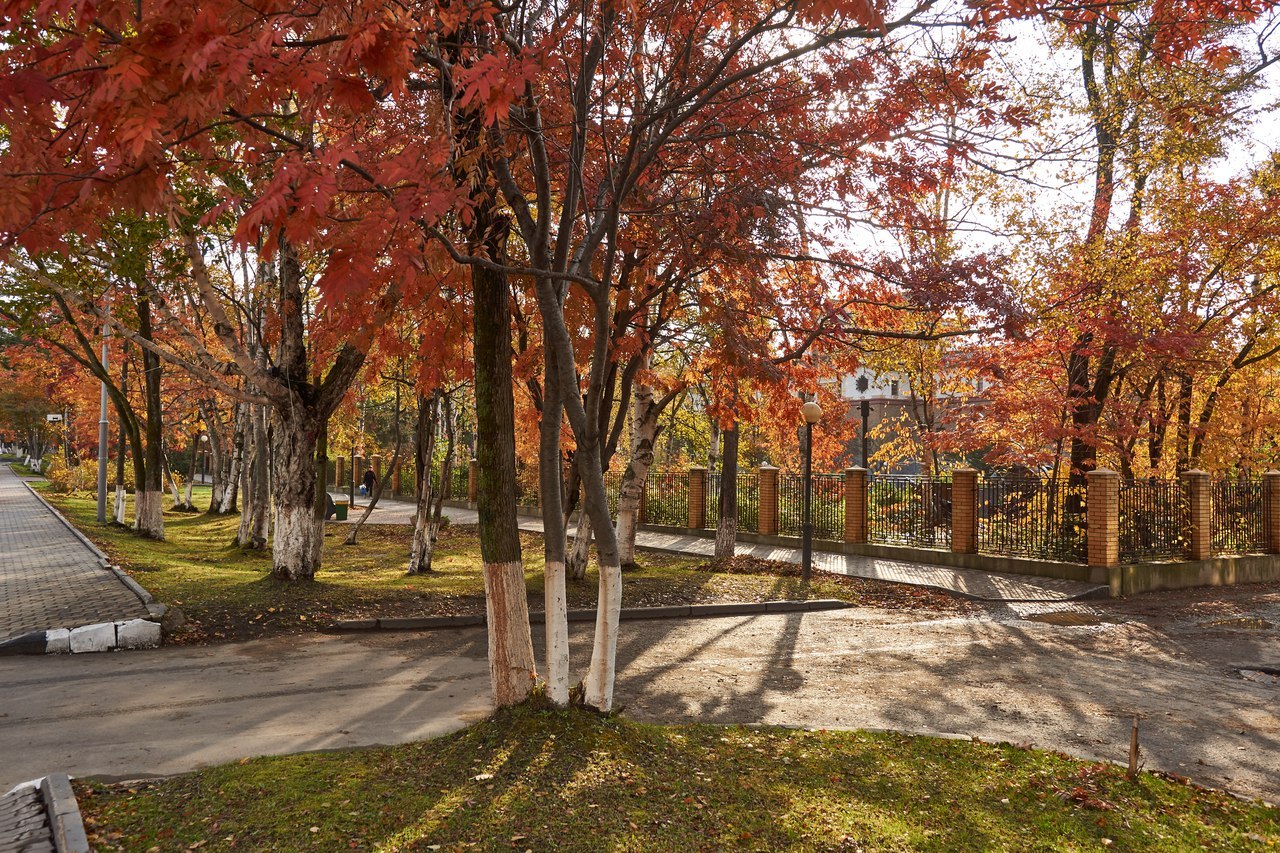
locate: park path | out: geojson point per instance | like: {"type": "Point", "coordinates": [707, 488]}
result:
{"type": "Point", "coordinates": [49, 578]}
{"type": "Point", "coordinates": [998, 676]}
{"type": "Point", "coordinates": [972, 583]}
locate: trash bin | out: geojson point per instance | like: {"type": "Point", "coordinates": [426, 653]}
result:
{"type": "Point", "coordinates": [340, 505]}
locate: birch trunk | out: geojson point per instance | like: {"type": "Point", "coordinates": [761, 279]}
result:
{"type": "Point", "coordinates": [423, 546]}
{"type": "Point", "coordinates": [576, 564]}
{"type": "Point", "coordinates": [644, 434]}
{"type": "Point", "coordinates": [228, 503]}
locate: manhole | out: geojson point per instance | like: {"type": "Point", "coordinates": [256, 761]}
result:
{"type": "Point", "coordinates": [1262, 675]}
{"type": "Point", "coordinates": [1070, 618]}
{"type": "Point", "coordinates": [1243, 623]}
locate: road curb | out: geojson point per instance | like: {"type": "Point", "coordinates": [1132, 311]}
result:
{"type": "Point", "coordinates": [689, 611]}
{"type": "Point", "coordinates": [62, 827]}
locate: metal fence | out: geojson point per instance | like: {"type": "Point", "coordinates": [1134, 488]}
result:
{"type": "Point", "coordinates": [826, 506]}
{"type": "Point", "coordinates": [1236, 526]}
{"type": "Point", "coordinates": [909, 510]}
{"type": "Point", "coordinates": [667, 499]}
{"type": "Point", "coordinates": [749, 503]}
{"type": "Point", "coordinates": [1152, 520]}
{"type": "Point", "coordinates": [1030, 516]}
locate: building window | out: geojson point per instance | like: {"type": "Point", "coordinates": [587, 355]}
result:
{"type": "Point", "coordinates": [893, 388]}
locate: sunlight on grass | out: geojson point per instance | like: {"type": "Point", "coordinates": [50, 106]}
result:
{"type": "Point", "coordinates": [540, 779]}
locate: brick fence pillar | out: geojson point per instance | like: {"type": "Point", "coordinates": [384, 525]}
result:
{"type": "Point", "coordinates": [855, 505]}
{"type": "Point", "coordinates": [376, 464]}
{"type": "Point", "coordinates": [1198, 488]}
{"type": "Point", "coordinates": [473, 481]}
{"type": "Point", "coordinates": [1271, 511]}
{"type": "Point", "coordinates": [767, 521]}
{"type": "Point", "coordinates": [697, 497]}
{"type": "Point", "coordinates": [396, 478]}
{"type": "Point", "coordinates": [340, 477]}
{"type": "Point", "coordinates": [964, 511]}
{"type": "Point", "coordinates": [1102, 508]}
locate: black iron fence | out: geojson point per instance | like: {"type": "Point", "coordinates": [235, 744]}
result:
{"type": "Point", "coordinates": [1236, 525]}
{"type": "Point", "coordinates": [909, 510]}
{"type": "Point", "coordinates": [1029, 516]}
{"type": "Point", "coordinates": [667, 498]}
{"type": "Point", "coordinates": [1020, 515]}
{"type": "Point", "coordinates": [826, 505]}
{"type": "Point", "coordinates": [1153, 520]}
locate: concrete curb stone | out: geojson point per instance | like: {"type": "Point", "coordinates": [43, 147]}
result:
{"type": "Point", "coordinates": [427, 623]}
{"type": "Point", "coordinates": [64, 814]}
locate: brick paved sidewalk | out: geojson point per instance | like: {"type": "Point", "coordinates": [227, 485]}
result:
{"type": "Point", "coordinates": [48, 577]}
{"type": "Point", "coordinates": [974, 583]}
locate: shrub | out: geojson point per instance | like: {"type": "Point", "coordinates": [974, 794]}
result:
{"type": "Point", "coordinates": [69, 478]}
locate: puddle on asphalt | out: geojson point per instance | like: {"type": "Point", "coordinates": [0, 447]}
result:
{"type": "Point", "coordinates": [1243, 623]}
{"type": "Point", "coordinates": [1065, 618]}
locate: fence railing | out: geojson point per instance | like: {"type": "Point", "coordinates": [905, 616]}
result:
{"type": "Point", "coordinates": [907, 510]}
{"type": "Point", "coordinates": [1029, 516]}
{"type": "Point", "coordinates": [1021, 515]}
{"type": "Point", "coordinates": [667, 498]}
{"type": "Point", "coordinates": [1236, 525]}
{"type": "Point", "coordinates": [1152, 520]}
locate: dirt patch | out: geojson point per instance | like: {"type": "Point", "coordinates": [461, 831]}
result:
{"type": "Point", "coordinates": [1065, 618]}
{"type": "Point", "coordinates": [863, 592]}
{"type": "Point", "coordinates": [1242, 623]}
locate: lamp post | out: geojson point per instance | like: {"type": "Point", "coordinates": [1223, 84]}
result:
{"type": "Point", "coordinates": [204, 455]}
{"type": "Point", "coordinates": [865, 411]}
{"type": "Point", "coordinates": [812, 413]}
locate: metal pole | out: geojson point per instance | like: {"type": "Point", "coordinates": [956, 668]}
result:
{"type": "Point", "coordinates": [102, 431]}
{"type": "Point", "coordinates": [866, 414]}
{"type": "Point", "coordinates": [806, 560]}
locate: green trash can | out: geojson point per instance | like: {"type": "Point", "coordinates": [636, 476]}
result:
{"type": "Point", "coordinates": [340, 505]}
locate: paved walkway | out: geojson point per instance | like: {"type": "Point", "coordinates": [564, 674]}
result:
{"type": "Point", "coordinates": [48, 577]}
{"type": "Point", "coordinates": [995, 676]}
{"type": "Point", "coordinates": [984, 586]}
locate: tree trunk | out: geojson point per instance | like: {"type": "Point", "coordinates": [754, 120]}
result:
{"type": "Point", "coordinates": [727, 526]}
{"type": "Point", "coordinates": [550, 483]}
{"type": "Point", "coordinates": [256, 514]}
{"type": "Point", "coordinates": [644, 434]}
{"type": "Point", "coordinates": [298, 438]}
{"type": "Point", "coordinates": [511, 663]}
{"type": "Point", "coordinates": [148, 514]}
{"type": "Point", "coordinates": [423, 546]}
{"type": "Point", "coordinates": [228, 503]}
{"type": "Point", "coordinates": [580, 555]}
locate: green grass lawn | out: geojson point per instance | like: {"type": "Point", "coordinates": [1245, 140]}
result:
{"type": "Point", "coordinates": [227, 593]}
{"type": "Point", "coordinates": [530, 779]}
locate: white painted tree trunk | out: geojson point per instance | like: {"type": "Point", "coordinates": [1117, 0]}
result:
{"type": "Point", "coordinates": [148, 513]}
{"type": "Point", "coordinates": [120, 506]}
{"type": "Point", "coordinates": [512, 669]}
{"type": "Point", "coordinates": [186, 497]}
{"type": "Point", "coordinates": [299, 524]}
{"type": "Point", "coordinates": [556, 604]}
{"type": "Point", "coordinates": [297, 543]}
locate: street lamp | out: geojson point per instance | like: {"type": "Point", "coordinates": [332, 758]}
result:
{"type": "Point", "coordinates": [812, 413]}
{"type": "Point", "coordinates": [204, 455]}
{"type": "Point", "coordinates": [865, 410]}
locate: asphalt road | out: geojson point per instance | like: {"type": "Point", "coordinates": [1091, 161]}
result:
{"type": "Point", "coordinates": [999, 677]}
